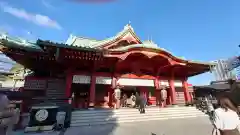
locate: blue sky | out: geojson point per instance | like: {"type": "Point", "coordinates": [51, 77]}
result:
{"type": "Point", "coordinates": [196, 29]}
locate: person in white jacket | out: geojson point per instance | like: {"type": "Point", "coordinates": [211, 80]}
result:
{"type": "Point", "coordinates": [225, 118]}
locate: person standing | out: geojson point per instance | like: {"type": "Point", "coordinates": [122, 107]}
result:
{"type": "Point", "coordinates": [117, 96]}
{"type": "Point", "coordinates": [142, 104]}
{"type": "Point", "coordinates": [137, 103]}
{"type": "Point", "coordinates": [163, 97]}
{"type": "Point", "coordinates": [225, 118]}
{"type": "Point", "coordinates": [133, 98]}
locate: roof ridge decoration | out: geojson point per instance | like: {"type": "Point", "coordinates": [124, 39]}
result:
{"type": "Point", "coordinates": [93, 43]}
{"type": "Point", "coordinates": [127, 29]}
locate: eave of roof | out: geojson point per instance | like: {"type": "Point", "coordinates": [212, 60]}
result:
{"type": "Point", "coordinates": [18, 43]}
{"type": "Point", "coordinates": [156, 48]}
{"type": "Point", "coordinates": [61, 45]}
{"type": "Point", "coordinates": [214, 87]}
{"type": "Point", "coordinates": [11, 42]}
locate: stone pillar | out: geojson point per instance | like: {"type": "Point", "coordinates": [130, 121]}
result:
{"type": "Point", "coordinates": [92, 91]}
{"type": "Point", "coordinates": [172, 90]}
{"type": "Point", "coordinates": [186, 92]}
{"type": "Point", "coordinates": [69, 78]}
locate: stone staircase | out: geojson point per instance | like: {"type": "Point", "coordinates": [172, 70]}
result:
{"type": "Point", "coordinates": [98, 117]}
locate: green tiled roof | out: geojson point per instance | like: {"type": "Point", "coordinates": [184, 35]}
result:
{"type": "Point", "coordinates": [92, 43]}
{"type": "Point", "coordinates": [7, 41]}
{"type": "Point", "coordinates": [61, 45]}
{"type": "Point", "coordinates": [81, 41]}
{"type": "Point", "coordinates": [13, 42]}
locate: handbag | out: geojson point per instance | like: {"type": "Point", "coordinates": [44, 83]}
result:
{"type": "Point", "coordinates": [216, 131]}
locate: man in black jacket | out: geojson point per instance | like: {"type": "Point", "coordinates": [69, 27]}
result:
{"type": "Point", "coordinates": [142, 104]}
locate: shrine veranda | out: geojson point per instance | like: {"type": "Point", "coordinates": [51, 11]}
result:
{"type": "Point", "coordinates": [88, 70]}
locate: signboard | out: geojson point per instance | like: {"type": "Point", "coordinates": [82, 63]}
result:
{"type": "Point", "coordinates": [135, 82]}
{"type": "Point", "coordinates": [83, 79]}
{"type": "Point", "coordinates": [104, 80]}
{"type": "Point", "coordinates": [163, 83]}
{"type": "Point", "coordinates": [35, 84]}
{"type": "Point", "coordinates": [87, 79]}
{"type": "Point", "coordinates": [178, 83]}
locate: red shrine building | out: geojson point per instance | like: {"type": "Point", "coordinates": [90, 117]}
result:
{"type": "Point", "coordinates": [89, 70]}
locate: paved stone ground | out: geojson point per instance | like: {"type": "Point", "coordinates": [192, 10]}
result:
{"type": "Point", "coordinates": [189, 126]}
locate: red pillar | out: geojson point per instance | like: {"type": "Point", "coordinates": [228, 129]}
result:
{"type": "Point", "coordinates": [186, 92]}
{"type": "Point", "coordinates": [169, 100]}
{"type": "Point", "coordinates": [157, 90]}
{"type": "Point", "coordinates": [92, 91]}
{"type": "Point", "coordinates": [110, 97]}
{"type": "Point", "coordinates": [156, 83]}
{"type": "Point", "coordinates": [172, 90]}
{"type": "Point", "coordinates": [69, 78]}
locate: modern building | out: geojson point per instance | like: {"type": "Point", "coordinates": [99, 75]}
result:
{"type": "Point", "coordinates": [92, 71]}
{"type": "Point", "coordinates": [226, 69]}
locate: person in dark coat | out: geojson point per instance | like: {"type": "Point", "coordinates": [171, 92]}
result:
{"type": "Point", "coordinates": [142, 104]}
{"type": "Point", "coordinates": [137, 100]}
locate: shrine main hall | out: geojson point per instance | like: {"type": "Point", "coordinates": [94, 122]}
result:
{"type": "Point", "coordinates": [88, 70]}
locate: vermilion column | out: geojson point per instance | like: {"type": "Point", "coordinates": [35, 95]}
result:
{"type": "Point", "coordinates": [156, 83]}
{"type": "Point", "coordinates": [186, 92]}
{"type": "Point", "coordinates": [69, 78]}
{"type": "Point", "coordinates": [92, 91]}
{"type": "Point", "coordinates": [157, 91]}
{"type": "Point", "coordinates": [110, 97]}
{"type": "Point", "coordinates": [172, 90]}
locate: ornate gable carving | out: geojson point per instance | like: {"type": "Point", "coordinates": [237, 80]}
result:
{"type": "Point", "coordinates": [126, 37]}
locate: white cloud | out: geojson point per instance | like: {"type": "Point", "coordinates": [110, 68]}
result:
{"type": "Point", "coordinates": [38, 19]}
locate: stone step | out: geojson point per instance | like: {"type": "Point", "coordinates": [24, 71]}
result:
{"type": "Point", "coordinates": [89, 118]}
{"type": "Point", "coordinates": [55, 94]}
{"type": "Point", "coordinates": [51, 91]}
{"type": "Point", "coordinates": [98, 117]}
{"type": "Point", "coordinates": [129, 113]}
{"type": "Point", "coordinates": [127, 110]}
{"type": "Point", "coordinates": [134, 119]}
